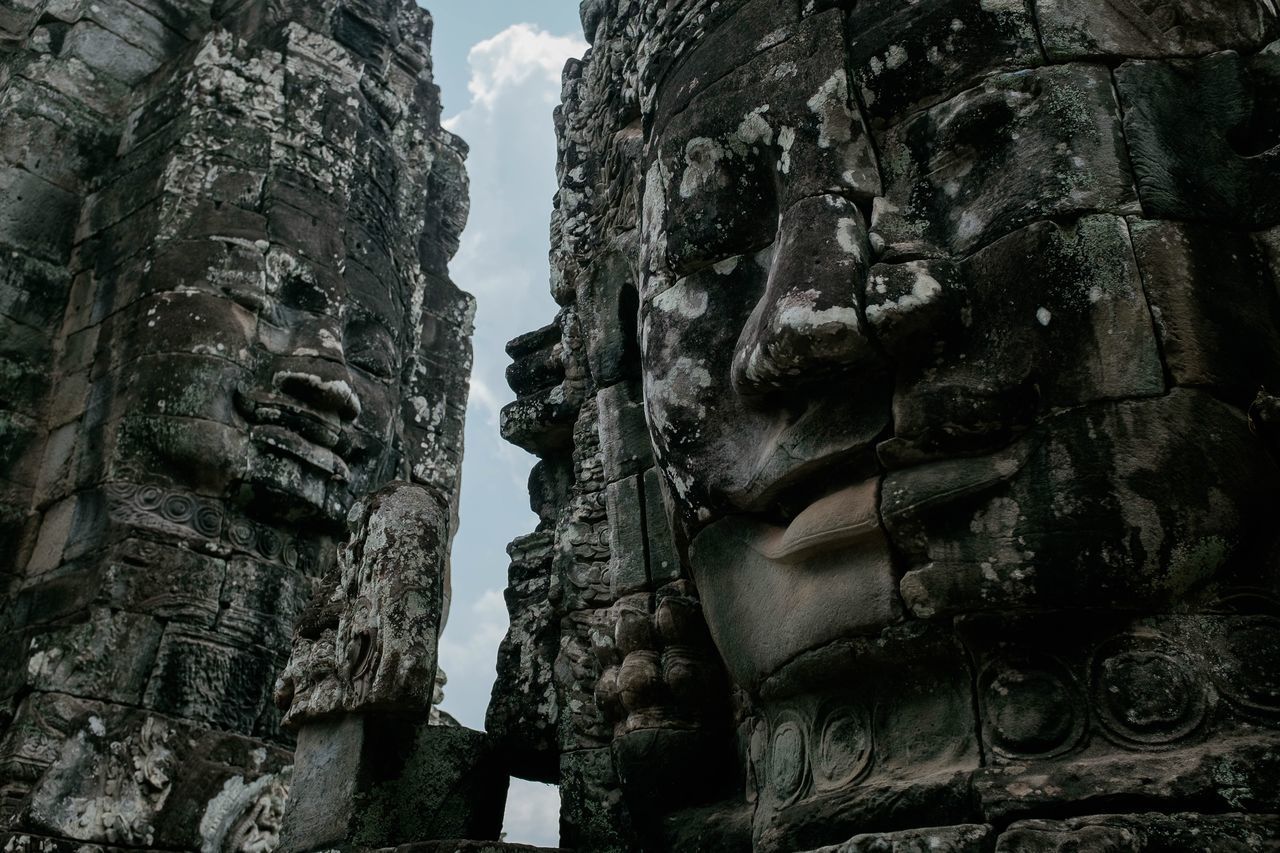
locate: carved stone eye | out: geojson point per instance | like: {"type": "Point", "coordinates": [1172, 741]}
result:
{"type": "Point", "coordinates": [362, 652]}
{"type": "Point", "coordinates": [300, 293]}
{"type": "Point", "coordinates": [369, 347]}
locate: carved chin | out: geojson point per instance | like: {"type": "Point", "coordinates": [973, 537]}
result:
{"type": "Point", "coordinates": [770, 593]}
{"type": "Point", "coordinates": [281, 486]}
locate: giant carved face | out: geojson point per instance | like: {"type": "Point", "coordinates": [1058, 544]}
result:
{"type": "Point", "coordinates": [252, 373]}
{"type": "Point", "coordinates": [899, 354]}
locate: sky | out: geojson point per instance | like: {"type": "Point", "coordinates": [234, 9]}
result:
{"type": "Point", "coordinates": [498, 65]}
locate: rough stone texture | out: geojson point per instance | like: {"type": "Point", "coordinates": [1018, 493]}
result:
{"type": "Point", "coordinates": [955, 329]}
{"type": "Point", "coordinates": [907, 431]}
{"type": "Point", "coordinates": [471, 847]}
{"type": "Point", "coordinates": [373, 780]}
{"type": "Point", "coordinates": [1138, 833]}
{"type": "Point", "coordinates": [370, 642]}
{"type": "Point", "coordinates": [970, 838]}
{"type": "Point", "coordinates": [225, 316]}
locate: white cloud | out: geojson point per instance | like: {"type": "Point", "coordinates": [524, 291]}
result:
{"type": "Point", "coordinates": [483, 398]}
{"type": "Point", "coordinates": [486, 624]}
{"type": "Point", "coordinates": [533, 814]}
{"type": "Point", "coordinates": [513, 56]}
{"type": "Point", "coordinates": [515, 82]}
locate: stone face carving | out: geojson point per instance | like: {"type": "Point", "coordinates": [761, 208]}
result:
{"type": "Point", "coordinates": [370, 642]}
{"type": "Point", "coordinates": [225, 318]}
{"type": "Point", "coordinates": [950, 321]}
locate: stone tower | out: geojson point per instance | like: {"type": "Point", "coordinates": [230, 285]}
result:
{"type": "Point", "coordinates": [906, 469]}
{"type": "Point", "coordinates": [225, 316]}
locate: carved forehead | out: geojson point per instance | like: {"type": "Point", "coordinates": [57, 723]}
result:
{"type": "Point", "coordinates": [380, 296]}
{"type": "Point", "coordinates": [714, 45]}
{"type": "Point", "coordinates": [780, 74]}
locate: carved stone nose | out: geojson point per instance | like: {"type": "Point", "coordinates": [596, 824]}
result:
{"type": "Point", "coordinates": [323, 386]}
{"type": "Point", "coordinates": [807, 327]}
{"type": "Point", "coordinates": [314, 372]}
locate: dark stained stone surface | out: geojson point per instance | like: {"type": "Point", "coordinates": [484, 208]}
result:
{"type": "Point", "coordinates": [1226, 173]}
{"type": "Point", "coordinates": [225, 317]}
{"type": "Point", "coordinates": [907, 431]}
{"type": "Point", "coordinates": [1138, 833]}
{"type": "Point", "coordinates": [1137, 28]}
{"type": "Point", "coordinates": [956, 344]}
{"type": "Point", "coordinates": [1014, 149]}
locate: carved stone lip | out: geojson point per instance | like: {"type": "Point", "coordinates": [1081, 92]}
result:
{"type": "Point", "coordinates": [841, 518]}
{"type": "Point", "coordinates": [268, 410]}
{"type": "Point", "coordinates": [288, 442]}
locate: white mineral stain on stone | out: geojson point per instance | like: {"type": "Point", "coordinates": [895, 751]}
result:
{"type": "Point", "coordinates": [96, 726]}
{"type": "Point", "coordinates": [1008, 7]}
{"type": "Point", "coordinates": [339, 387]}
{"type": "Point", "coordinates": [809, 321]}
{"type": "Point", "coordinates": [786, 138]}
{"type": "Point", "coordinates": [969, 227]}
{"type": "Point", "coordinates": [880, 208]}
{"type": "Point", "coordinates": [785, 70]}
{"type": "Point", "coordinates": [896, 57]}
{"type": "Point", "coordinates": [678, 388]}
{"type": "Point", "coordinates": [37, 663]}
{"type": "Point", "coordinates": [754, 129]}
{"type": "Point", "coordinates": [1044, 315]}
{"type": "Point", "coordinates": [423, 411]}
{"type": "Point", "coordinates": [830, 105]}
{"type": "Point", "coordinates": [923, 291]}
{"type": "Point", "coordinates": [686, 302]}
{"type": "Point", "coordinates": [702, 158]}
{"type": "Point", "coordinates": [329, 341]}
{"type": "Point", "coordinates": [725, 267]}
{"type": "Point", "coordinates": [848, 236]}
{"type": "Point", "coordinates": [773, 39]}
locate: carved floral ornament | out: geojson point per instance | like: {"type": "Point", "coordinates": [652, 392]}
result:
{"type": "Point", "coordinates": [211, 520]}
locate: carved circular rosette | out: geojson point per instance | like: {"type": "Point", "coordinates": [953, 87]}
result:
{"type": "Point", "coordinates": [241, 534]}
{"type": "Point", "coordinates": [1246, 663]}
{"type": "Point", "coordinates": [842, 745]}
{"type": "Point", "coordinates": [269, 543]}
{"type": "Point", "coordinates": [178, 508]}
{"type": "Point", "coordinates": [149, 498]}
{"type": "Point", "coordinates": [1032, 706]}
{"type": "Point", "coordinates": [122, 490]}
{"type": "Point", "coordinates": [1147, 693]}
{"type": "Point", "coordinates": [788, 758]}
{"type": "Point", "coordinates": [208, 521]}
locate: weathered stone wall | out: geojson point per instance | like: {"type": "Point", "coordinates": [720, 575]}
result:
{"type": "Point", "coordinates": [225, 314]}
{"type": "Point", "coordinates": [993, 284]}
